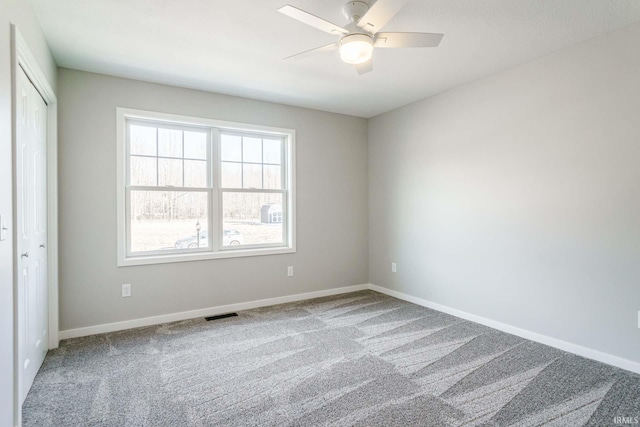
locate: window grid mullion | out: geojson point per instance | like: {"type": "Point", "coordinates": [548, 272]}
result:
{"type": "Point", "coordinates": [285, 196]}
{"type": "Point", "coordinates": [213, 150]}
{"type": "Point", "coordinates": [284, 167]}
{"type": "Point", "coordinates": [148, 156]}
{"type": "Point", "coordinates": [167, 189]}
{"type": "Point", "coordinates": [182, 133]}
{"type": "Point", "coordinates": [252, 190]}
{"type": "Point", "coordinates": [242, 161]}
{"type": "Point", "coordinates": [236, 162]}
{"type": "Point", "coordinates": [157, 161]}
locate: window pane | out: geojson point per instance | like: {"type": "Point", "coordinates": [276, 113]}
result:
{"type": "Point", "coordinates": [231, 175]}
{"type": "Point", "coordinates": [231, 148]}
{"type": "Point", "coordinates": [251, 176]}
{"type": "Point", "coordinates": [142, 140]}
{"type": "Point", "coordinates": [170, 172]}
{"type": "Point", "coordinates": [272, 151]}
{"type": "Point", "coordinates": [252, 218]}
{"type": "Point", "coordinates": [169, 143]}
{"type": "Point", "coordinates": [143, 170]}
{"type": "Point", "coordinates": [272, 177]}
{"type": "Point", "coordinates": [252, 150]}
{"type": "Point", "coordinates": [162, 220]}
{"type": "Point", "coordinates": [195, 173]}
{"type": "Point", "coordinates": [195, 145]}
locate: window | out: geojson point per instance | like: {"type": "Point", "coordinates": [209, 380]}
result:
{"type": "Point", "coordinates": [192, 189]}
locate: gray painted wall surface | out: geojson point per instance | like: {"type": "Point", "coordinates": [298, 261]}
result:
{"type": "Point", "coordinates": [16, 12]}
{"type": "Point", "coordinates": [332, 203]}
{"type": "Point", "coordinates": [517, 197]}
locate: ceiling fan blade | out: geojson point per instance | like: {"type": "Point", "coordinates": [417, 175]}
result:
{"type": "Point", "coordinates": [408, 39]}
{"type": "Point", "coordinates": [365, 67]}
{"type": "Point", "coordinates": [310, 52]}
{"type": "Point", "coordinates": [312, 20]}
{"type": "Point", "coordinates": [379, 14]}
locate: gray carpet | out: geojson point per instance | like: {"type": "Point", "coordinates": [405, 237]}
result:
{"type": "Point", "coordinates": [361, 359]}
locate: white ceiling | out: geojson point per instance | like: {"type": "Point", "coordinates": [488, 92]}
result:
{"type": "Point", "coordinates": [236, 46]}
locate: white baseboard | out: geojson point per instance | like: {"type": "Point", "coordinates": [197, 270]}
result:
{"type": "Point", "coordinates": [609, 359]}
{"type": "Point", "coordinates": [203, 312]}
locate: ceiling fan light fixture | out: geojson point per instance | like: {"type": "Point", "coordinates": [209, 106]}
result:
{"type": "Point", "coordinates": [356, 48]}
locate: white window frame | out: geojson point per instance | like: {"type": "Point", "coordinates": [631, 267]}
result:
{"type": "Point", "coordinates": [215, 249]}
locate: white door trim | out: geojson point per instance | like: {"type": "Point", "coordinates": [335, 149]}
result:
{"type": "Point", "coordinates": [22, 57]}
{"type": "Point", "coordinates": [25, 59]}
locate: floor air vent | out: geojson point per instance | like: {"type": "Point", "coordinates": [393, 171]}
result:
{"type": "Point", "coordinates": [221, 316]}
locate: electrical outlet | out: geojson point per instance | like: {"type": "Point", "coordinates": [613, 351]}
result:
{"type": "Point", "coordinates": [290, 271]}
{"type": "Point", "coordinates": [126, 290]}
{"type": "Point", "coordinates": [393, 267]}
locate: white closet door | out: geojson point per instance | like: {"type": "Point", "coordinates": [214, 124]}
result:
{"type": "Point", "coordinates": [31, 198]}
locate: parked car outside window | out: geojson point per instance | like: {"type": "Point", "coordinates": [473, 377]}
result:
{"type": "Point", "coordinates": [230, 237]}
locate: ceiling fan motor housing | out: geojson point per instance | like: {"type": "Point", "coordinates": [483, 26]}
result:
{"type": "Point", "coordinates": [354, 10]}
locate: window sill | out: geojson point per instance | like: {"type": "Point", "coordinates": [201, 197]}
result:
{"type": "Point", "coordinates": [202, 256]}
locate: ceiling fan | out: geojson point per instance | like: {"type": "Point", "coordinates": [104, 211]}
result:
{"type": "Point", "coordinates": [361, 34]}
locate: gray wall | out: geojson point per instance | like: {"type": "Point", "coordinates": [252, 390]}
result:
{"type": "Point", "coordinates": [332, 218]}
{"type": "Point", "coordinates": [16, 12]}
{"type": "Point", "coordinates": [517, 197]}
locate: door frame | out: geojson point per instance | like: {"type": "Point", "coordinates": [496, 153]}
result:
{"type": "Point", "coordinates": [22, 57]}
